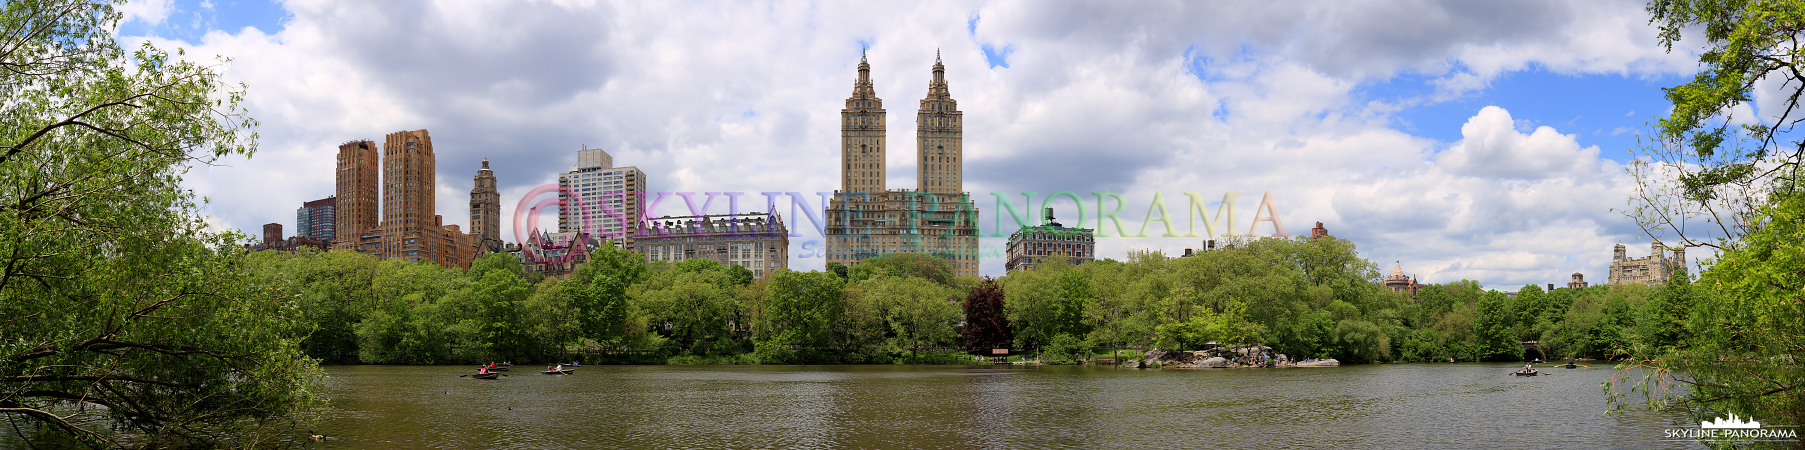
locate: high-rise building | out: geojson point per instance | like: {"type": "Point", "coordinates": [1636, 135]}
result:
{"type": "Point", "coordinates": [485, 212]}
{"type": "Point", "coordinates": [601, 200]}
{"type": "Point", "coordinates": [409, 229]}
{"type": "Point", "coordinates": [938, 138]}
{"type": "Point", "coordinates": [359, 184]}
{"type": "Point", "coordinates": [1031, 245]}
{"type": "Point", "coordinates": [939, 219]}
{"type": "Point", "coordinates": [756, 241]}
{"type": "Point", "coordinates": [862, 137]}
{"type": "Point", "coordinates": [318, 219]}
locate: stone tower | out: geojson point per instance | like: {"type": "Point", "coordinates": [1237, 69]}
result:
{"type": "Point", "coordinates": [485, 208]}
{"type": "Point", "coordinates": [862, 136]}
{"type": "Point", "coordinates": [358, 192]}
{"type": "Point", "coordinates": [938, 138]}
{"type": "Point", "coordinates": [1618, 253]}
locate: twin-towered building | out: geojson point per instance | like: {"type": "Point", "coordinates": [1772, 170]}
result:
{"type": "Point", "coordinates": [938, 218]}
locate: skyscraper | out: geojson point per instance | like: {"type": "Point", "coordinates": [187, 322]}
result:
{"type": "Point", "coordinates": [358, 194]}
{"type": "Point", "coordinates": [318, 219]}
{"type": "Point", "coordinates": [601, 200]}
{"type": "Point", "coordinates": [938, 138]}
{"type": "Point", "coordinates": [409, 229]}
{"type": "Point", "coordinates": [939, 219]}
{"type": "Point", "coordinates": [485, 212]}
{"type": "Point", "coordinates": [862, 136]}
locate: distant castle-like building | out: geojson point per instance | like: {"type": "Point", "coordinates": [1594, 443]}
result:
{"type": "Point", "coordinates": [1654, 269]}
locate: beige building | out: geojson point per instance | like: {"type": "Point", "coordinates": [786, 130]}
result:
{"type": "Point", "coordinates": [601, 200]}
{"type": "Point", "coordinates": [1655, 269]}
{"type": "Point", "coordinates": [865, 220]}
{"type": "Point", "coordinates": [1398, 282]}
{"type": "Point", "coordinates": [756, 241]}
{"type": "Point", "coordinates": [485, 212]}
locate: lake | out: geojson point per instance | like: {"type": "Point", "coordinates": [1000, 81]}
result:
{"type": "Point", "coordinates": [907, 407]}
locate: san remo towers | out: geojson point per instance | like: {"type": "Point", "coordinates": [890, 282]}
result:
{"type": "Point", "coordinates": [937, 218]}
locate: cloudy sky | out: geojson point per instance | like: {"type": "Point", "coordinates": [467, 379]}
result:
{"type": "Point", "coordinates": [1466, 140]}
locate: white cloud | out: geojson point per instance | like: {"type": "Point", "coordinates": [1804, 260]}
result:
{"type": "Point", "coordinates": [149, 12]}
{"type": "Point", "coordinates": [1492, 146]}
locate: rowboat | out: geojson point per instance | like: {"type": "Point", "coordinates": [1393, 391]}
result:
{"type": "Point", "coordinates": [1525, 374]}
{"type": "Point", "coordinates": [560, 372]}
{"type": "Point", "coordinates": [486, 376]}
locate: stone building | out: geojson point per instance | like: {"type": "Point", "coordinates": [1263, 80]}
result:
{"type": "Point", "coordinates": [1398, 282]}
{"type": "Point", "coordinates": [1654, 269]}
{"type": "Point", "coordinates": [756, 241]}
{"type": "Point", "coordinates": [318, 219]}
{"type": "Point", "coordinates": [485, 212]}
{"type": "Point", "coordinates": [405, 227]}
{"type": "Point", "coordinates": [865, 220]}
{"type": "Point", "coordinates": [1032, 244]}
{"type": "Point", "coordinates": [600, 200]}
{"type": "Point", "coordinates": [1579, 282]}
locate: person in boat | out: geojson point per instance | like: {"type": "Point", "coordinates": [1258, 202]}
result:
{"type": "Point", "coordinates": [559, 369]}
{"type": "Point", "coordinates": [1450, 360]}
{"type": "Point", "coordinates": [1528, 368]}
{"type": "Point", "coordinates": [481, 370]}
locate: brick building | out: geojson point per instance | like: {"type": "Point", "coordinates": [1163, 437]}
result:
{"type": "Point", "coordinates": [1032, 244]}
{"type": "Point", "coordinates": [405, 226]}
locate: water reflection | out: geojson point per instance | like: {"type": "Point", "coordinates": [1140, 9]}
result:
{"type": "Point", "coordinates": [1377, 406]}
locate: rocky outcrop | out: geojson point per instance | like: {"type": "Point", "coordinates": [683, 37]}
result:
{"type": "Point", "coordinates": [1219, 357]}
{"type": "Point", "coordinates": [1331, 362]}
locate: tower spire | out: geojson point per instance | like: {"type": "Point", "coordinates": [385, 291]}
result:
{"type": "Point", "coordinates": [936, 55]}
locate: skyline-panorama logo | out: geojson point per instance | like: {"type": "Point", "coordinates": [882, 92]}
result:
{"type": "Point", "coordinates": [1734, 428]}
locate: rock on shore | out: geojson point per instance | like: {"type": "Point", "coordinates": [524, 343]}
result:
{"type": "Point", "coordinates": [1244, 356]}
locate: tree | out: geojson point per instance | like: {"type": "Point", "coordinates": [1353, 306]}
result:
{"type": "Point", "coordinates": [986, 325]}
{"type": "Point", "coordinates": [123, 321]}
{"type": "Point", "coordinates": [600, 293]}
{"type": "Point", "coordinates": [919, 313]}
{"type": "Point", "coordinates": [798, 316]}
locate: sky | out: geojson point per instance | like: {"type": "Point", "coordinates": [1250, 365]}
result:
{"type": "Point", "coordinates": [1456, 140]}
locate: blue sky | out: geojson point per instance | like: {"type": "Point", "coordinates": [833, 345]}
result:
{"type": "Point", "coordinates": [1463, 140]}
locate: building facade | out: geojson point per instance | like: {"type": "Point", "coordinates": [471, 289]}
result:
{"type": "Point", "coordinates": [866, 220]}
{"type": "Point", "coordinates": [1579, 282]}
{"type": "Point", "coordinates": [485, 212]}
{"type": "Point", "coordinates": [601, 200]}
{"type": "Point", "coordinates": [756, 241]}
{"type": "Point", "coordinates": [318, 219]}
{"type": "Point", "coordinates": [1031, 245]}
{"type": "Point", "coordinates": [1398, 282]}
{"type": "Point", "coordinates": [1654, 269]}
{"type": "Point", "coordinates": [408, 228]}
{"type": "Point", "coordinates": [359, 184]}
{"type": "Point", "coordinates": [555, 255]}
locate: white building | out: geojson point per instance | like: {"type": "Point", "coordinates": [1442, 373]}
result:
{"type": "Point", "coordinates": [603, 200]}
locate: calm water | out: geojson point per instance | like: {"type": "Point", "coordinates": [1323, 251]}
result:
{"type": "Point", "coordinates": [1370, 406]}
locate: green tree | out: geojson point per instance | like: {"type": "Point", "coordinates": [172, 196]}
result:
{"type": "Point", "coordinates": [1492, 329]}
{"type": "Point", "coordinates": [918, 313]}
{"type": "Point", "coordinates": [797, 321]}
{"type": "Point", "coordinates": [123, 321]}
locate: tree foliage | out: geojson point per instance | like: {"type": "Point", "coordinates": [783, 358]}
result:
{"type": "Point", "coordinates": [123, 321]}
